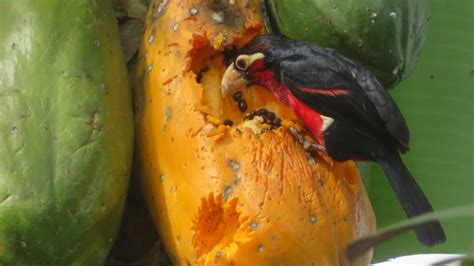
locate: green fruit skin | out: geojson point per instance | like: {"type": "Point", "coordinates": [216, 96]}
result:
{"type": "Point", "coordinates": [384, 35]}
{"type": "Point", "coordinates": [66, 131]}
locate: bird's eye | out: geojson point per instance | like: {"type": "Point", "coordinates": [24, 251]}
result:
{"type": "Point", "coordinates": [241, 63]}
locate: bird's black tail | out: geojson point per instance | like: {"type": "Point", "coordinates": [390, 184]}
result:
{"type": "Point", "coordinates": [412, 199]}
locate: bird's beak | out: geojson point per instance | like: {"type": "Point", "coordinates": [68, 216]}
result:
{"type": "Point", "coordinates": [232, 81]}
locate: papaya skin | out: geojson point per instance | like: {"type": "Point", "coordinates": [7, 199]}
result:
{"type": "Point", "coordinates": [66, 132]}
{"type": "Point", "coordinates": [385, 36]}
{"type": "Point", "coordinates": [232, 195]}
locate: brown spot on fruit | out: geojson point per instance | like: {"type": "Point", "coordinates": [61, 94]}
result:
{"type": "Point", "coordinates": [200, 73]}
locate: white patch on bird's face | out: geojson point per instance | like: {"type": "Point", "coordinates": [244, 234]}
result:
{"type": "Point", "coordinates": [327, 121]}
{"type": "Point", "coordinates": [243, 62]}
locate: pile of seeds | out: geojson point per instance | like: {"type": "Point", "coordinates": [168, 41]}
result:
{"type": "Point", "coordinates": [268, 117]}
{"type": "Point", "coordinates": [241, 102]}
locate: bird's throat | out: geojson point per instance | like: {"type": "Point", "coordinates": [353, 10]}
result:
{"type": "Point", "coordinates": [267, 79]}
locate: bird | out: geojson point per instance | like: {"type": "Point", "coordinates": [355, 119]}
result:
{"type": "Point", "coordinates": [343, 105]}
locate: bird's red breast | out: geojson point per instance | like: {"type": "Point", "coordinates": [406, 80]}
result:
{"type": "Point", "coordinates": [313, 120]}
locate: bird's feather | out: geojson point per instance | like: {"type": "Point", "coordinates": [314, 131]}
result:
{"type": "Point", "coordinates": [316, 81]}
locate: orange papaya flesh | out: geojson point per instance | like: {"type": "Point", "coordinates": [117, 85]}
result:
{"type": "Point", "coordinates": [232, 195]}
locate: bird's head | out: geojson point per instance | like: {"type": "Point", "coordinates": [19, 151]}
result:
{"type": "Point", "coordinates": [253, 63]}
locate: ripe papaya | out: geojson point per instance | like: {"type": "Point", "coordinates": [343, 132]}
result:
{"type": "Point", "coordinates": [240, 193]}
{"type": "Point", "coordinates": [66, 132]}
{"type": "Point", "coordinates": [385, 36]}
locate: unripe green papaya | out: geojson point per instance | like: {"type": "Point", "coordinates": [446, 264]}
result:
{"type": "Point", "coordinates": [384, 35]}
{"type": "Point", "coordinates": [66, 131]}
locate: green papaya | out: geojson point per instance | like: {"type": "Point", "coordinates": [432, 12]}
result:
{"type": "Point", "coordinates": [66, 131]}
{"type": "Point", "coordinates": [384, 35]}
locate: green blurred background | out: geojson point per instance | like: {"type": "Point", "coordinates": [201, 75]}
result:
{"type": "Point", "coordinates": [438, 104]}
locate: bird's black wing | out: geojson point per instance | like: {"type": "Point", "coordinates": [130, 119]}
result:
{"type": "Point", "coordinates": [335, 86]}
{"type": "Point", "coordinates": [385, 105]}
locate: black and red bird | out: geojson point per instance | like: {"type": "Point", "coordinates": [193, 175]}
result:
{"type": "Point", "coordinates": [343, 105]}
